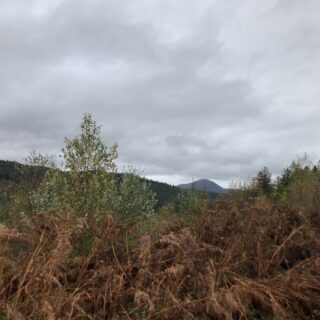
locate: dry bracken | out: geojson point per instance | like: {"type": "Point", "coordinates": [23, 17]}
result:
{"type": "Point", "coordinates": [231, 262]}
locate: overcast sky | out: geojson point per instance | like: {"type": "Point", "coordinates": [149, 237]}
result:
{"type": "Point", "coordinates": [192, 88]}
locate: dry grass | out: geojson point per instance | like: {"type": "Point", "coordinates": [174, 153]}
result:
{"type": "Point", "coordinates": [228, 263]}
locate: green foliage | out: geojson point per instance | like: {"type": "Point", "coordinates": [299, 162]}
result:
{"type": "Point", "coordinates": [258, 187]}
{"type": "Point", "coordinates": [33, 176]}
{"type": "Point", "coordinates": [4, 202]}
{"type": "Point", "coordinates": [189, 202]}
{"type": "Point", "coordinates": [16, 201]}
{"type": "Point", "coordinates": [135, 196]}
{"type": "Point", "coordinates": [282, 186]}
{"type": "Point", "coordinates": [31, 188]}
{"type": "Point", "coordinates": [263, 182]}
{"type": "Point", "coordinates": [157, 223]}
{"type": "Point", "coordinates": [85, 182]}
{"type": "Point", "coordinates": [299, 185]}
{"type": "Point", "coordinates": [89, 163]}
{"type": "Point", "coordinates": [88, 153]}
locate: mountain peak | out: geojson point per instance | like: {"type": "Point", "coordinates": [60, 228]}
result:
{"type": "Point", "coordinates": [202, 185]}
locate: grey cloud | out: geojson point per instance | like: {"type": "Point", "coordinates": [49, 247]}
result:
{"type": "Point", "coordinates": [203, 89]}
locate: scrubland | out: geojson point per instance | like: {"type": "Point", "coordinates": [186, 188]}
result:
{"type": "Point", "coordinates": [74, 244]}
{"type": "Point", "coordinates": [239, 260]}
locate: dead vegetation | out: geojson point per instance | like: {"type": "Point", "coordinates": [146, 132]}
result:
{"type": "Point", "coordinates": [238, 261]}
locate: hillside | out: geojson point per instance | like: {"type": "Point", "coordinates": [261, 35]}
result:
{"type": "Point", "coordinates": [165, 192]}
{"type": "Point", "coordinates": [8, 169]}
{"type": "Point", "coordinates": [203, 185]}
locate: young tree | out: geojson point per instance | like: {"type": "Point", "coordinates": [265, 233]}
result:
{"type": "Point", "coordinates": [135, 196]}
{"type": "Point", "coordinates": [86, 181]}
{"type": "Point", "coordinates": [189, 202]}
{"type": "Point", "coordinates": [89, 181]}
{"type": "Point", "coordinates": [299, 185]}
{"type": "Point", "coordinates": [304, 187]}
{"type": "Point", "coordinates": [263, 181]}
{"type": "Point", "coordinates": [282, 185]}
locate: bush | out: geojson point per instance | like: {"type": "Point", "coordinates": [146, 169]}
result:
{"type": "Point", "coordinates": [299, 185]}
{"type": "Point", "coordinates": [135, 197]}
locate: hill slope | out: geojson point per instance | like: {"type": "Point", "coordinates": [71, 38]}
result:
{"type": "Point", "coordinates": [165, 192]}
{"type": "Point", "coordinates": [8, 169]}
{"type": "Point", "coordinates": [203, 185]}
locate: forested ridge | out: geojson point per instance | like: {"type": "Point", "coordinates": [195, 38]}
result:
{"type": "Point", "coordinates": [9, 172]}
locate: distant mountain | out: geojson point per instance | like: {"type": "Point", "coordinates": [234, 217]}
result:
{"type": "Point", "coordinates": [203, 185]}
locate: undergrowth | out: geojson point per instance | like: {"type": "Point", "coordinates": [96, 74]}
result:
{"type": "Point", "coordinates": [239, 260]}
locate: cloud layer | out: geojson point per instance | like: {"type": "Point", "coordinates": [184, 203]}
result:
{"type": "Point", "coordinates": [213, 89]}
